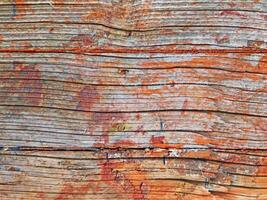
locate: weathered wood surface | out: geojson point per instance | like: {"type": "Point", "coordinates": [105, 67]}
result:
{"type": "Point", "coordinates": [131, 99]}
{"type": "Point", "coordinates": [120, 25]}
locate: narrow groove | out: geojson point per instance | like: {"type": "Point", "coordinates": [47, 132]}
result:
{"type": "Point", "coordinates": [140, 111]}
{"type": "Point", "coordinates": [138, 51]}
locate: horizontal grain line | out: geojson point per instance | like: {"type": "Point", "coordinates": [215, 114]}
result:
{"type": "Point", "coordinates": [101, 133]}
{"type": "Point", "coordinates": [114, 56]}
{"type": "Point", "coordinates": [120, 158]}
{"type": "Point", "coordinates": [133, 68]}
{"type": "Point", "coordinates": [132, 85]}
{"type": "Point", "coordinates": [144, 169]}
{"type": "Point", "coordinates": [133, 8]}
{"type": "Point", "coordinates": [73, 103]}
{"type": "Point", "coordinates": [73, 194]}
{"type": "Point", "coordinates": [129, 96]}
{"type": "Point", "coordinates": [127, 50]}
{"type": "Point", "coordinates": [17, 149]}
{"type": "Point", "coordinates": [214, 183]}
{"type": "Point", "coordinates": [140, 111]}
{"type": "Point", "coordinates": [132, 30]}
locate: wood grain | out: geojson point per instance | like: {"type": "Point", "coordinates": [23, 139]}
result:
{"type": "Point", "coordinates": [133, 99]}
{"type": "Point", "coordinates": [132, 25]}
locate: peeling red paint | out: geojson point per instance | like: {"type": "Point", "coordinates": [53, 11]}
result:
{"type": "Point", "coordinates": [105, 122]}
{"type": "Point", "coordinates": [123, 144]}
{"type": "Point", "coordinates": [156, 140]}
{"type": "Point", "coordinates": [232, 13]}
{"type": "Point", "coordinates": [69, 191]}
{"type": "Point", "coordinates": [81, 41]}
{"type": "Point", "coordinates": [136, 27]}
{"type": "Point", "coordinates": [87, 97]}
{"type": "Point", "coordinates": [222, 39]}
{"type": "Point", "coordinates": [29, 84]}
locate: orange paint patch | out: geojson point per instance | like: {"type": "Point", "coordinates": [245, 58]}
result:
{"type": "Point", "coordinates": [148, 90]}
{"type": "Point", "coordinates": [120, 180]}
{"type": "Point", "coordinates": [109, 13]}
{"type": "Point", "coordinates": [201, 140]}
{"type": "Point", "coordinates": [123, 144]}
{"type": "Point", "coordinates": [206, 62]}
{"type": "Point", "coordinates": [160, 142]}
{"type": "Point", "coordinates": [237, 63]}
{"type": "Point", "coordinates": [262, 66]}
{"type": "Point", "coordinates": [159, 64]}
{"type": "Point", "coordinates": [57, 2]}
{"type": "Point", "coordinates": [157, 140]}
{"type": "Point", "coordinates": [70, 192]}
{"type": "Point", "coordinates": [262, 171]}
{"type": "Point", "coordinates": [199, 154]}
{"type": "Point", "coordinates": [21, 8]}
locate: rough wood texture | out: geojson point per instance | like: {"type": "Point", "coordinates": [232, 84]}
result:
{"type": "Point", "coordinates": [133, 99]}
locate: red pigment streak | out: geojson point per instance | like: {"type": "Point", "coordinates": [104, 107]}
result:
{"type": "Point", "coordinates": [80, 41]}
{"type": "Point", "coordinates": [87, 97]}
{"type": "Point", "coordinates": [233, 13]}
{"type": "Point", "coordinates": [155, 140]}
{"type": "Point", "coordinates": [30, 85]}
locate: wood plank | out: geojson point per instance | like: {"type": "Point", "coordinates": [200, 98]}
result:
{"type": "Point", "coordinates": [133, 99]}
{"type": "Point", "coordinates": [197, 174]}
{"type": "Point", "coordinates": [128, 25]}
